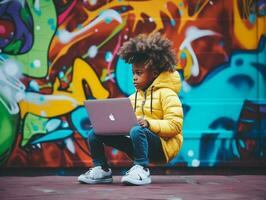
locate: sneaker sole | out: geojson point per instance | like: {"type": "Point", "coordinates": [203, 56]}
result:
{"type": "Point", "coordinates": [136, 182]}
{"type": "Point", "coordinates": [102, 181]}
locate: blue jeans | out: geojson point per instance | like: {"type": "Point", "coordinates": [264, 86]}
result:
{"type": "Point", "coordinates": [142, 146]}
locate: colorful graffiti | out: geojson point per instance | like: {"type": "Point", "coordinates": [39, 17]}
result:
{"type": "Point", "coordinates": [56, 54]}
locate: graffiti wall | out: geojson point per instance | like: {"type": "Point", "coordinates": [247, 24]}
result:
{"type": "Point", "coordinates": [56, 54]}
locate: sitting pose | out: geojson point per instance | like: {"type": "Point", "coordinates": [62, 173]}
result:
{"type": "Point", "coordinates": [158, 136]}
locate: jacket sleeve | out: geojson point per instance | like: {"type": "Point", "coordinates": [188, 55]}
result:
{"type": "Point", "coordinates": [172, 121]}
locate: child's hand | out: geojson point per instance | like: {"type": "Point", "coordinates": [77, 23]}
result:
{"type": "Point", "coordinates": [143, 122]}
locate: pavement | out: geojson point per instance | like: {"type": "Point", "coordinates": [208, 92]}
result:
{"type": "Point", "coordinates": [171, 186]}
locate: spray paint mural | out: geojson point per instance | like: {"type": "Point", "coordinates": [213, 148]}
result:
{"type": "Point", "coordinates": [56, 54]}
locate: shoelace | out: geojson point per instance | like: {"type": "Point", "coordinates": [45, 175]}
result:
{"type": "Point", "coordinates": [94, 172]}
{"type": "Point", "coordinates": [135, 167]}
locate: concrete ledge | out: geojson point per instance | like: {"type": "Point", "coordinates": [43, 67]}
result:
{"type": "Point", "coordinates": [168, 187]}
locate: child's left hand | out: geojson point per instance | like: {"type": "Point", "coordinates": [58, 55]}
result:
{"type": "Point", "coordinates": [143, 122]}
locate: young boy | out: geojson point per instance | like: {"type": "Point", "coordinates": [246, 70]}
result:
{"type": "Point", "coordinates": [158, 135]}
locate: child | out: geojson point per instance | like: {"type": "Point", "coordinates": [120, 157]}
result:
{"type": "Point", "coordinates": [158, 135]}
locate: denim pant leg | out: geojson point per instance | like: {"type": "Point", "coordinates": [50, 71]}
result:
{"type": "Point", "coordinates": [96, 144]}
{"type": "Point", "coordinates": [146, 146]}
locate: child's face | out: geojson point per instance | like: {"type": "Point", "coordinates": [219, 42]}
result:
{"type": "Point", "coordinates": [142, 76]}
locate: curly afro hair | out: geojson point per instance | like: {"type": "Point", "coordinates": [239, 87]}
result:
{"type": "Point", "coordinates": [153, 49]}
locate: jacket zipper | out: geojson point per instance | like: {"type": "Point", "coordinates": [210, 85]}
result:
{"type": "Point", "coordinates": [143, 103]}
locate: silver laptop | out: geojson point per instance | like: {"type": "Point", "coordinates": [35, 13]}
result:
{"type": "Point", "coordinates": [113, 116]}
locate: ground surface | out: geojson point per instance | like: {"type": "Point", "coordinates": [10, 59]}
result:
{"type": "Point", "coordinates": [169, 187]}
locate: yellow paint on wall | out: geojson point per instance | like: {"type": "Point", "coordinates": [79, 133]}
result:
{"type": "Point", "coordinates": [62, 102]}
{"type": "Point", "coordinates": [248, 37]}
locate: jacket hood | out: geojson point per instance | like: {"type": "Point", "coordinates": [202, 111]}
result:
{"type": "Point", "coordinates": [167, 79]}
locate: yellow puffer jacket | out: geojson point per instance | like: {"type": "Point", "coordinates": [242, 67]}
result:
{"type": "Point", "coordinates": [161, 107]}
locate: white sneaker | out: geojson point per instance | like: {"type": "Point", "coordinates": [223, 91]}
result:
{"type": "Point", "coordinates": [137, 175]}
{"type": "Point", "coordinates": [96, 175]}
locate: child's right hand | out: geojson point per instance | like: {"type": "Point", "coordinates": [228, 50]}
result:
{"type": "Point", "coordinates": [143, 122]}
